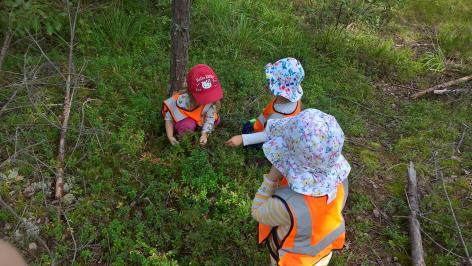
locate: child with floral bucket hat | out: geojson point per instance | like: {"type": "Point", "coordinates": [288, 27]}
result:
{"type": "Point", "coordinates": [283, 80]}
{"type": "Point", "coordinates": [185, 111]}
{"type": "Point", "coordinates": [301, 219]}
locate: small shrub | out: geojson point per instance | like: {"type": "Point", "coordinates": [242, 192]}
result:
{"type": "Point", "coordinates": [377, 56]}
{"type": "Point", "coordinates": [370, 160]}
{"type": "Point", "coordinates": [397, 241]}
{"type": "Point", "coordinates": [236, 28]}
{"type": "Point", "coordinates": [118, 30]}
{"type": "Point", "coordinates": [131, 140]}
{"type": "Point", "coordinates": [449, 18]}
{"type": "Point", "coordinates": [360, 204]}
{"type": "Point", "coordinates": [434, 61]}
{"type": "Point", "coordinates": [413, 148]}
{"type": "Point", "coordinates": [342, 13]}
{"type": "Point", "coordinates": [456, 40]}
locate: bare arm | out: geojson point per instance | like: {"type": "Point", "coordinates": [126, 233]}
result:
{"type": "Point", "coordinates": [208, 124]}
{"type": "Point", "coordinates": [247, 139]}
{"type": "Point", "coordinates": [209, 120]}
{"type": "Point", "coordinates": [218, 106]}
{"type": "Point", "coordinates": [170, 132]}
{"type": "Point", "coordinates": [266, 209]}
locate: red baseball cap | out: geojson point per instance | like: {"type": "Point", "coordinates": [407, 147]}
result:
{"type": "Point", "coordinates": [203, 84]}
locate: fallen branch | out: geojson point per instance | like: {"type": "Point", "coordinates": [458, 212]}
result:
{"type": "Point", "coordinates": [417, 252]}
{"type": "Point", "coordinates": [59, 187]}
{"type": "Point", "coordinates": [441, 86]}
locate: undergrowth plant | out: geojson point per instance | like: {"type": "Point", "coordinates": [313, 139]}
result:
{"type": "Point", "coordinates": [449, 21]}
{"type": "Point", "coordinates": [377, 56]}
{"type": "Point", "coordinates": [139, 201]}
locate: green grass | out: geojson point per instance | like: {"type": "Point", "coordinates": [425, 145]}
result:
{"type": "Point", "coordinates": [450, 21]}
{"type": "Point", "coordinates": [142, 202]}
{"type": "Point", "coordinates": [377, 56]}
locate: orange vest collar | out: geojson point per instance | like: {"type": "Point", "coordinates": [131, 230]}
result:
{"type": "Point", "coordinates": [269, 112]}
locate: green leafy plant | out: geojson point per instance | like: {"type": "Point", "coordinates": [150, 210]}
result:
{"type": "Point", "coordinates": [434, 61]}
{"type": "Point", "coordinates": [22, 16]}
{"type": "Point", "coordinates": [140, 201]}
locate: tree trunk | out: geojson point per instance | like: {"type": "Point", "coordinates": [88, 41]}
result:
{"type": "Point", "coordinates": [180, 42]}
{"type": "Point", "coordinates": [5, 46]}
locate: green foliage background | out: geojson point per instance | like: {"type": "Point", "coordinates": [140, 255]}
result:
{"type": "Point", "coordinates": [142, 202]}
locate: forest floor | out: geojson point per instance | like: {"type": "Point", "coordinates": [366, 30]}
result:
{"type": "Point", "coordinates": [132, 199]}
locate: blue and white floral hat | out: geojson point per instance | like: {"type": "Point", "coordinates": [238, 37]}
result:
{"type": "Point", "coordinates": [284, 78]}
{"type": "Point", "coordinates": [306, 149]}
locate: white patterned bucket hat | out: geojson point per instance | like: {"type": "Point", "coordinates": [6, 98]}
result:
{"type": "Point", "coordinates": [306, 149]}
{"type": "Point", "coordinates": [284, 78]}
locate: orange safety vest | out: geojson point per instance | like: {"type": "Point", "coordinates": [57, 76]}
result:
{"type": "Point", "coordinates": [270, 113]}
{"type": "Point", "coordinates": [179, 113]}
{"type": "Point", "coordinates": [316, 227]}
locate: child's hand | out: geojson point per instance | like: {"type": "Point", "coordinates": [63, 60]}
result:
{"type": "Point", "coordinates": [173, 141]}
{"type": "Point", "coordinates": [204, 139]}
{"type": "Point", "coordinates": [235, 141]}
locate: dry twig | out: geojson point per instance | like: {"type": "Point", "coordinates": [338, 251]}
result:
{"type": "Point", "coordinates": [4, 107]}
{"type": "Point", "coordinates": [81, 125]}
{"type": "Point", "coordinates": [71, 230]}
{"type": "Point", "coordinates": [446, 91]}
{"type": "Point", "coordinates": [46, 56]}
{"type": "Point", "coordinates": [441, 86]}
{"type": "Point", "coordinates": [459, 144]}
{"type": "Point", "coordinates": [459, 231]}
{"type": "Point", "coordinates": [6, 45]}
{"type": "Point", "coordinates": [30, 95]}
{"type": "Point", "coordinates": [59, 187]}
{"type": "Point", "coordinates": [469, 259]}
{"type": "Point", "coordinates": [441, 246]}
{"type": "Point", "coordinates": [18, 152]}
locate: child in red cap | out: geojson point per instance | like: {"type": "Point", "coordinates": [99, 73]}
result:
{"type": "Point", "coordinates": [184, 112]}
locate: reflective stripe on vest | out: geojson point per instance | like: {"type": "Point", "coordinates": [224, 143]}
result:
{"type": "Point", "coordinates": [262, 119]}
{"type": "Point", "coordinates": [206, 108]}
{"type": "Point", "coordinates": [315, 249]}
{"type": "Point", "coordinates": [303, 239]}
{"type": "Point", "coordinates": [174, 110]}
